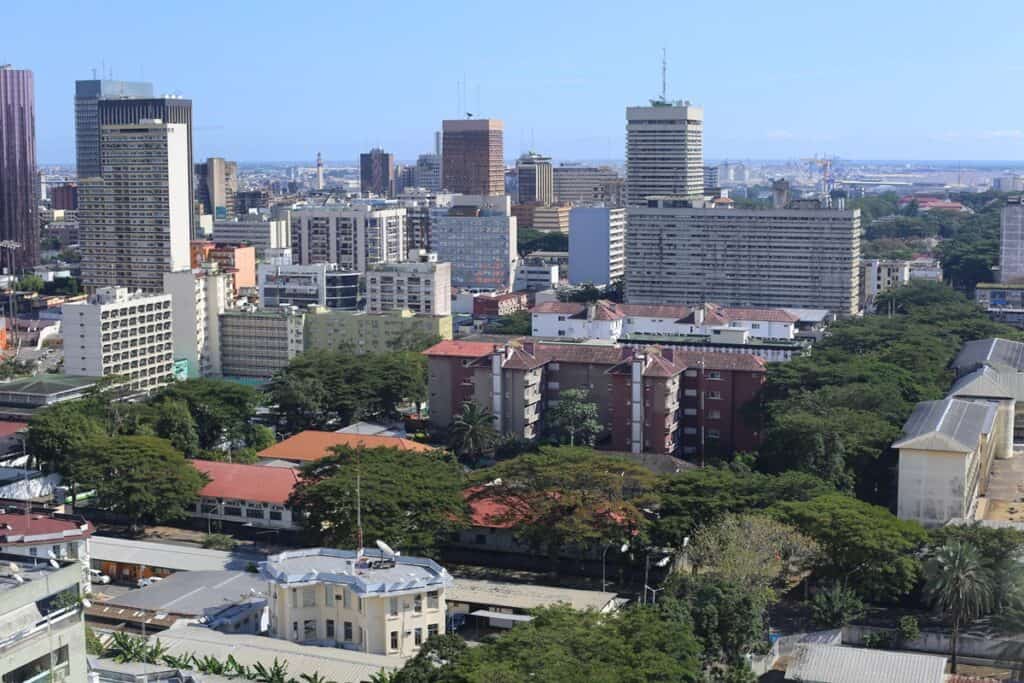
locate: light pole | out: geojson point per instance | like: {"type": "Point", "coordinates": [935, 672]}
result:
{"type": "Point", "coordinates": [647, 572]}
{"type": "Point", "coordinates": [604, 557]}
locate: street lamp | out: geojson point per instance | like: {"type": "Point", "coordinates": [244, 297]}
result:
{"type": "Point", "coordinates": [647, 570]}
{"type": "Point", "coordinates": [604, 556]}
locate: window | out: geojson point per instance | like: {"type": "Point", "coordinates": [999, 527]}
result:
{"type": "Point", "coordinates": [348, 632]}
{"type": "Point", "coordinates": [232, 511]}
{"type": "Point", "coordinates": [432, 599]}
{"type": "Point", "coordinates": [714, 415]}
{"type": "Point", "coordinates": [328, 595]}
{"type": "Point", "coordinates": [431, 630]}
{"type": "Point", "coordinates": [57, 552]}
{"type": "Point", "coordinates": [33, 551]}
{"type": "Point", "coordinates": [480, 539]}
{"type": "Point", "coordinates": [755, 326]}
{"type": "Point", "coordinates": [254, 513]}
{"type": "Point", "coordinates": [330, 628]}
{"type": "Point", "coordinates": [713, 434]}
{"type": "Point", "coordinates": [417, 636]}
{"type": "Point", "coordinates": [394, 640]}
{"type": "Point", "coordinates": [393, 607]}
{"type": "Point", "coordinates": [714, 374]}
{"type": "Point", "coordinates": [417, 603]}
{"type": "Point", "coordinates": [309, 597]}
{"type": "Point", "coordinates": [714, 395]}
{"type": "Point", "coordinates": [275, 515]}
{"type": "Point", "coordinates": [309, 629]}
{"type": "Point", "coordinates": [295, 629]}
{"type": "Point", "coordinates": [344, 597]}
{"type": "Point", "coordinates": [689, 392]}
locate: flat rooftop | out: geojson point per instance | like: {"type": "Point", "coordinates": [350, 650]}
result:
{"type": "Point", "coordinates": [361, 572]}
{"type": "Point", "coordinates": [167, 555]}
{"type": "Point", "coordinates": [29, 571]}
{"type": "Point", "coordinates": [196, 593]}
{"type": "Point", "coordinates": [523, 596]}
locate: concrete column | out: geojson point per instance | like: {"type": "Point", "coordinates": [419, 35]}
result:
{"type": "Point", "coordinates": [636, 396]}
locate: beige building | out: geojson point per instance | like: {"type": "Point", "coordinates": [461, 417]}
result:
{"type": "Point", "coordinates": [880, 275]}
{"type": "Point", "coordinates": [134, 221]}
{"type": "Point", "coordinates": [681, 252]}
{"type": "Point", "coordinates": [216, 186]}
{"type": "Point", "coordinates": [664, 151]}
{"type": "Point", "coordinates": [552, 218]}
{"type": "Point", "coordinates": [257, 344]}
{"type": "Point", "coordinates": [365, 600]}
{"type": "Point", "coordinates": [536, 181]}
{"type": "Point", "coordinates": [588, 185]}
{"type": "Point", "coordinates": [422, 285]}
{"type": "Point", "coordinates": [118, 333]}
{"type": "Point", "coordinates": [372, 332]}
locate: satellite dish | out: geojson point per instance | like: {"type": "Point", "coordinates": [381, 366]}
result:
{"type": "Point", "coordinates": [624, 547]}
{"type": "Point", "coordinates": [385, 548]}
{"type": "Point", "coordinates": [49, 554]}
{"type": "Point", "coordinates": [663, 561]}
{"type": "Point", "coordinates": [19, 578]}
{"type": "Point", "coordinates": [86, 603]}
{"type": "Point", "coordinates": [54, 563]}
{"type": "Point", "coordinates": [13, 566]}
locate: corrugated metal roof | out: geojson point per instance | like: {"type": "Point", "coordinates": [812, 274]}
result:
{"type": "Point", "coordinates": [988, 382]}
{"type": "Point", "coordinates": [167, 555]}
{"type": "Point", "coordinates": [951, 424]}
{"type": "Point", "coordinates": [193, 593]}
{"type": "Point", "coordinates": [837, 664]}
{"type": "Point", "coordinates": [992, 351]}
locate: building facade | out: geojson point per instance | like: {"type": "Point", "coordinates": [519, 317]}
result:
{"type": "Point", "coordinates": [257, 344]}
{"type": "Point", "coordinates": [318, 284]}
{"type": "Point", "coordinates": [427, 173]}
{"type": "Point", "coordinates": [536, 179]}
{"type": "Point", "coordinates": [134, 221]}
{"type": "Point", "coordinates": [473, 156]}
{"type": "Point", "coordinates": [362, 332]}
{"type": "Point", "coordinates": [478, 237]}
{"type": "Point", "coordinates": [377, 173]}
{"type": "Point", "coordinates": [881, 275]}
{"type": "Point", "coordinates": [198, 297]}
{"type": "Point", "coordinates": [664, 151]}
{"type": "Point", "coordinates": [362, 600]}
{"type": "Point", "coordinates": [1011, 241]}
{"type": "Point", "coordinates": [216, 184]}
{"type": "Point", "coordinates": [87, 118]}
{"type": "Point", "coordinates": [123, 334]}
{"type": "Point", "coordinates": [260, 231]}
{"type": "Point", "coordinates": [249, 495]}
{"type": "Point", "coordinates": [350, 235]}
{"type": "Point", "coordinates": [583, 185]}
{"type": "Point", "coordinates": [19, 182]}
{"type": "Point", "coordinates": [597, 245]}
{"type": "Point", "coordinates": [422, 285]}
{"type": "Point", "coordinates": [792, 258]}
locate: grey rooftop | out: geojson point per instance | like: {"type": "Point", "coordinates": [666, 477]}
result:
{"type": "Point", "coordinates": [366, 573]}
{"type": "Point", "coordinates": [949, 425]}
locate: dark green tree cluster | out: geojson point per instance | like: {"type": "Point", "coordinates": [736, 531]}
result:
{"type": "Point", "coordinates": [325, 389]}
{"type": "Point", "coordinates": [518, 322]}
{"type": "Point", "coordinates": [529, 240]}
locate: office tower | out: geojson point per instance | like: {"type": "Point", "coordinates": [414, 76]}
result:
{"type": "Point", "coordinates": [117, 332]}
{"type": "Point", "coordinates": [259, 231]}
{"type": "Point", "coordinates": [117, 112]}
{"type": "Point", "coordinates": [350, 235]}
{"type": "Point", "coordinates": [198, 297]}
{"type": "Point", "coordinates": [1011, 241]}
{"type": "Point", "coordinates": [473, 159]}
{"type": "Point", "coordinates": [801, 257]}
{"type": "Point", "coordinates": [597, 245]}
{"type": "Point", "coordinates": [64, 197]}
{"type": "Point", "coordinates": [216, 185]}
{"type": "Point", "coordinates": [422, 284]}
{"type": "Point", "coordinates": [317, 284]}
{"type": "Point", "coordinates": [87, 117]}
{"type": "Point", "coordinates": [377, 173]}
{"type": "Point", "coordinates": [536, 180]}
{"type": "Point", "coordinates": [587, 184]}
{"type": "Point", "coordinates": [246, 200]}
{"type": "Point", "coordinates": [710, 178]}
{"type": "Point", "coordinates": [664, 151]}
{"type": "Point", "coordinates": [19, 185]}
{"type": "Point", "coordinates": [134, 220]}
{"type": "Point", "coordinates": [478, 237]}
{"type": "Point", "coordinates": [427, 173]}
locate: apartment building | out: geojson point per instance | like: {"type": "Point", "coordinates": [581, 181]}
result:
{"type": "Point", "coordinates": [597, 245]}
{"type": "Point", "coordinates": [584, 185]}
{"type": "Point", "coordinates": [353, 236]}
{"type": "Point", "coordinates": [881, 275]}
{"type": "Point", "coordinates": [216, 184]}
{"type": "Point", "coordinates": [477, 235]}
{"type": "Point", "coordinates": [257, 230]}
{"type": "Point", "coordinates": [1011, 241]}
{"type": "Point", "coordinates": [692, 402]}
{"type": "Point", "coordinates": [198, 297]}
{"type": "Point", "coordinates": [804, 256]}
{"type": "Point", "coordinates": [427, 173]}
{"type": "Point", "coordinates": [363, 332]}
{"type": "Point", "coordinates": [364, 600]}
{"type": "Point", "coordinates": [134, 220]}
{"type": "Point", "coordinates": [118, 333]}
{"type": "Point", "coordinates": [422, 285]}
{"type": "Point", "coordinates": [256, 344]}
{"type": "Point", "coordinates": [37, 536]}
{"type": "Point", "coordinates": [316, 284]}
{"type": "Point", "coordinates": [664, 151]}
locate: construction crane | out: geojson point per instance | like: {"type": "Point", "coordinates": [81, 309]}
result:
{"type": "Point", "coordinates": [827, 180]}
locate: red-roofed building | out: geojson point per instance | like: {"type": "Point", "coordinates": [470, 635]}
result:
{"type": "Point", "coordinates": [495, 305]}
{"type": "Point", "coordinates": [925, 204]}
{"type": "Point", "coordinates": [251, 495]}
{"type": "Point", "coordinates": [38, 534]}
{"type": "Point", "coordinates": [692, 401]}
{"type": "Point", "coordinates": [313, 445]}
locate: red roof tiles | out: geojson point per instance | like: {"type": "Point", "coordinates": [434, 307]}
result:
{"type": "Point", "coordinates": [17, 528]}
{"type": "Point", "coordinates": [453, 348]}
{"type": "Point", "coordinates": [312, 445]}
{"type": "Point", "coordinates": [247, 482]}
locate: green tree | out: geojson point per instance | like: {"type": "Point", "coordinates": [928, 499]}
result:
{"type": "Point", "coordinates": [472, 434]}
{"type": "Point", "coordinates": [864, 544]}
{"type": "Point", "coordinates": [30, 283]}
{"type": "Point", "coordinates": [174, 422]}
{"type": "Point", "coordinates": [221, 409]}
{"type": "Point", "coordinates": [730, 622]}
{"type": "Point", "coordinates": [145, 479]}
{"type": "Point", "coordinates": [562, 497]}
{"type": "Point", "coordinates": [574, 418]}
{"type": "Point", "coordinates": [410, 500]}
{"type": "Point", "coordinates": [958, 583]}
{"type": "Point", "coordinates": [63, 439]}
{"type": "Point", "coordinates": [516, 323]}
{"type": "Point", "coordinates": [836, 606]}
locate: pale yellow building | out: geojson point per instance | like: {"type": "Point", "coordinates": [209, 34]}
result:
{"type": "Point", "coordinates": [366, 600]}
{"type": "Point", "coordinates": [371, 332]}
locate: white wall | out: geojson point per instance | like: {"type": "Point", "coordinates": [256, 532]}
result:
{"type": "Point", "coordinates": [931, 486]}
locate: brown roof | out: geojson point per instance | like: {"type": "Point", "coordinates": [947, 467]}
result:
{"type": "Point", "coordinates": [459, 349]}
{"type": "Point", "coordinates": [771, 315]}
{"type": "Point", "coordinates": [312, 445]}
{"type": "Point", "coordinates": [713, 313]}
{"type": "Point", "coordinates": [247, 482]}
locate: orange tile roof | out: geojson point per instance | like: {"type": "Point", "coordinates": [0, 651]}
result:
{"type": "Point", "coordinates": [247, 482]}
{"type": "Point", "coordinates": [312, 445]}
{"type": "Point", "coordinates": [459, 349]}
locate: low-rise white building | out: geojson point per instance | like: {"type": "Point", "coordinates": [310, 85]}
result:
{"type": "Point", "coordinates": [118, 333]}
{"type": "Point", "coordinates": [198, 297]}
{"type": "Point", "coordinates": [880, 275]}
{"type": "Point", "coordinates": [422, 285]}
{"type": "Point", "coordinates": [40, 536]}
{"type": "Point", "coordinates": [365, 600]}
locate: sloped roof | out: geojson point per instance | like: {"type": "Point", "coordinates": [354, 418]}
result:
{"type": "Point", "coordinates": [993, 351]}
{"type": "Point", "coordinates": [247, 482]}
{"type": "Point", "coordinates": [459, 349]}
{"type": "Point", "coordinates": [985, 381]}
{"type": "Point", "coordinates": [951, 424]}
{"type": "Point", "coordinates": [313, 445]}
{"type": "Point", "coordinates": [838, 664]}
{"type": "Point", "coordinates": [768, 315]}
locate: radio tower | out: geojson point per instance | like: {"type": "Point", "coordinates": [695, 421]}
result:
{"type": "Point", "coordinates": [319, 171]}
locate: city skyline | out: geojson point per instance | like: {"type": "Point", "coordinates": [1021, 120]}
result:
{"type": "Point", "coordinates": [773, 85]}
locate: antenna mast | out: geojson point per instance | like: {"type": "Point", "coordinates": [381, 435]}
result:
{"type": "Point", "coordinates": [664, 72]}
{"type": "Point", "coordinates": [359, 504]}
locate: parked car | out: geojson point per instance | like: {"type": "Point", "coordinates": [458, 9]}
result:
{"type": "Point", "coordinates": [96, 576]}
{"type": "Point", "coordinates": [148, 581]}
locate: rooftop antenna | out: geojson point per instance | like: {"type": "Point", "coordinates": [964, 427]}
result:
{"type": "Point", "coordinates": [94, 73]}
{"type": "Point", "coordinates": [359, 504]}
{"type": "Point", "coordinates": [664, 72]}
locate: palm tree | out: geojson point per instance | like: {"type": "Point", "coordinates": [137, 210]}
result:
{"type": "Point", "coordinates": [275, 673]}
{"type": "Point", "coordinates": [315, 677]}
{"type": "Point", "coordinates": [472, 433]}
{"type": "Point", "coordinates": [958, 583]}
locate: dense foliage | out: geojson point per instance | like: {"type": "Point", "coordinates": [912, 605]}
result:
{"type": "Point", "coordinates": [529, 240]}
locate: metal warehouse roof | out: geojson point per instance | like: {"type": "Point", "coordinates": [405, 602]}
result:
{"type": "Point", "coordinates": [194, 593]}
{"type": "Point", "coordinates": [524, 596]}
{"type": "Point", "coordinates": [837, 664]}
{"type": "Point", "coordinates": [950, 425]}
{"type": "Point", "coordinates": [178, 558]}
{"type": "Point", "coordinates": [993, 351]}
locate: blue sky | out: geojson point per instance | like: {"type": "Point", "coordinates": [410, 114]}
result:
{"type": "Point", "coordinates": [904, 79]}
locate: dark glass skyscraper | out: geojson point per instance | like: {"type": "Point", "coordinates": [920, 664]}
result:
{"type": "Point", "coordinates": [377, 173]}
{"type": "Point", "coordinates": [87, 118]}
{"type": "Point", "coordinates": [19, 183]}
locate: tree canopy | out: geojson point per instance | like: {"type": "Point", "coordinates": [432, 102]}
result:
{"type": "Point", "coordinates": [574, 419]}
{"type": "Point", "coordinates": [221, 409]}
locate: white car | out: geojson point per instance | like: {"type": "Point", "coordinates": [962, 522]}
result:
{"type": "Point", "coordinates": [148, 581]}
{"type": "Point", "coordinates": [96, 576]}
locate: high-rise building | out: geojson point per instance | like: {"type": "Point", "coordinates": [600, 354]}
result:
{"type": "Point", "coordinates": [87, 118]}
{"type": "Point", "coordinates": [198, 297]}
{"type": "Point", "coordinates": [597, 245]}
{"type": "Point", "coordinates": [427, 173]}
{"type": "Point", "coordinates": [587, 185]}
{"type": "Point", "coordinates": [118, 112]}
{"type": "Point", "coordinates": [350, 235]}
{"type": "Point", "coordinates": [120, 333]}
{"type": "Point", "coordinates": [422, 285]}
{"type": "Point", "coordinates": [664, 151]}
{"type": "Point", "coordinates": [64, 197]}
{"type": "Point", "coordinates": [377, 173]}
{"type": "Point", "coordinates": [246, 200]}
{"type": "Point", "coordinates": [473, 156]}
{"type": "Point", "coordinates": [477, 235]}
{"type": "Point", "coordinates": [1011, 241]}
{"type": "Point", "coordinates": [19, 184]}
{"type": "Point", "coordinates": [216, 184]}
{"type": "Point", "coordinates": [804, 256]}
{"type": "Point", "coordinates": [134, 221]}
{"type": "Point", "coordinates": [710, 178]}
{"type": "Point", "coordinates": [536, 180]}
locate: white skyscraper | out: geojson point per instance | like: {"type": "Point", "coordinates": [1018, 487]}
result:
{"type": "Point", "coordinates": [664, 151]}
{"type": "Point", "coordinates": [134, 221]}
{"type": "Point", "coordinates": [1011, 242]}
